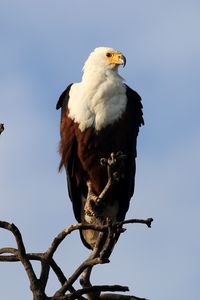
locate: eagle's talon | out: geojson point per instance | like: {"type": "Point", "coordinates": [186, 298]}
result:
{"type": "Point", "coordinates": [112, 162]}
{"type": "Point", "coordinates": [89, 212]}
{"type": "Point", "coordinates": [94, 207]}
{"type": "Point", "coordinates": [103, 162]}
{"type": "Point", "coordinates": [116, 176]}
{"type": "Point", "coordinates": [89, 208]}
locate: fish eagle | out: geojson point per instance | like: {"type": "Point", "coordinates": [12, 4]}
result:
{"type": "Point", "coordinates": [99, 115]}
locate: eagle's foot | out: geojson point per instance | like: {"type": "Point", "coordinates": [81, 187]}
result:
{"type": "Point", "coordinates": [89, 208]}
{"type": "Point", "coordinates": [113, 160]}
{"type": "Point", "coordinates": [93, 207]}
{"type": "Point", "coordinates": [115, 165]}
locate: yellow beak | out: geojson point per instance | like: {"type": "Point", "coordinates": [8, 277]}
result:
{"type": "Point", "coordinates": [116, 58]}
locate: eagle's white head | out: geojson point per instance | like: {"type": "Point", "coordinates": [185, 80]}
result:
{"type": "Point", "coordinates": [103, 59]}
{"type": "Point", "coordinates": [100, 98]}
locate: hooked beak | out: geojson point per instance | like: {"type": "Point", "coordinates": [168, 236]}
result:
{"type": "Point", "coordinates": [124, 61]}
{"type": "Point", "coordinates": [116, 58]}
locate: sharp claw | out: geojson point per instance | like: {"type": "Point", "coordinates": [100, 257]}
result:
{"type": "Point", "coordinates": [103, 161]}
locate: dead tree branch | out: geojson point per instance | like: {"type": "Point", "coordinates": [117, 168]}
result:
{"type": "Point", "coordinates": [99, 289]}
{"type": "Point", "coordinates": [1, 128]}
{"type": "Point", "coordinates": [67, 291]}
{"type": "Point", "coordinates": [119, 297]}
{"type": "Point", "coordinates": [22, 256]}
{"type": "Point", "coordinates": [108, 234]}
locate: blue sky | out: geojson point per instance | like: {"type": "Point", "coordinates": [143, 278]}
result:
{"type": "Point", "coordinates": [43, 47]}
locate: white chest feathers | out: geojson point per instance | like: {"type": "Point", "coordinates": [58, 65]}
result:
{"type": "Point", "coordinates": [98, 102]}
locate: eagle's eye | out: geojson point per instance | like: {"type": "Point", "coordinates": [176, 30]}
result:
{"type": "Point", "coordinates": [108, 54]}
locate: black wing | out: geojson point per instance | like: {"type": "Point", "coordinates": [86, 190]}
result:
{"type": "Point", "coordinates": [68, 150]}
{"type": "Point", "coordinates": [134, 117]}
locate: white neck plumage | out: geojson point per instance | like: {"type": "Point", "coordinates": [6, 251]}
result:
{"type": "Point", "coordinates": [98, 100]}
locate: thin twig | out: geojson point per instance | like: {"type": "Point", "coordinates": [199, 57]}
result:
{"type": "Point", "coordinates": [8, 250]}
{"type": "Point", "coordinates": [34, 256]}
{"type": "Point", "coordinates": [87, 263]}
{"type": "Point", "coordinates": [139, 221]}
{"type": "Point", "coordinates": [109, 243]}
{"type": "Point", "coordinates": [62, 235]}
{"type": "Point", "coordinates": [98, 289]}
{"type": "Point", "coordinates": [119, 297]}
{"type": "Point", "coordinates": [15, 258]}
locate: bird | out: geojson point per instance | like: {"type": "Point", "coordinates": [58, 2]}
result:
{"type": "Point", "coordinates": [100, 116]}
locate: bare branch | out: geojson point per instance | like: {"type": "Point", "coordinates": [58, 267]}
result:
{"type": "Point", "coordinates": [62, 235]}
{"type": "Point", "coordinates": [139, 221]}
{"type": "Point", "coordinates": [99, 289]}
{"type": "Point", "coordinates": [87, 263]}
{"type": "Point", "coordinates": [108, 234]}
{"type": "Point", "coordinates": [119, 297]}
{"type": "Point", "coordinates": [109, 243]}
{"type": "Point", "coordinates": [8, 250]}
{"type": "Point", "coordinates": [101, 254]}
{"type": "Point", "coordinates": [1, 128]}
{"type": "Point", "coordinates": [21, 253]}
